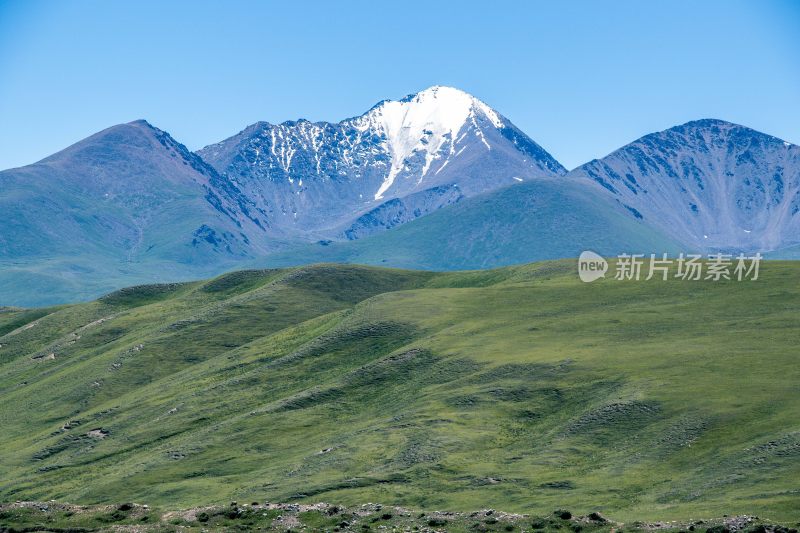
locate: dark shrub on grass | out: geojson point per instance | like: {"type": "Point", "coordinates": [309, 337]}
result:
{"type": "Point", "coordinates": [539, 523]}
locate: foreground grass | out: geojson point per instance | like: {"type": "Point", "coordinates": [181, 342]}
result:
{"type": "Point", "coordinates": [521, 389]}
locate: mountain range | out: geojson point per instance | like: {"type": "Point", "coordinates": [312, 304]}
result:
{"type": "Point", "coordinates": [436, 180]}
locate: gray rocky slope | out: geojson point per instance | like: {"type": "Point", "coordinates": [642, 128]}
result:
{"type": "Point", "coordinates": [709, 184]}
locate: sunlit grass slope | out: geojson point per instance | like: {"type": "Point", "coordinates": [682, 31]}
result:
{"type": "Point", "coordinates": [521, 389]}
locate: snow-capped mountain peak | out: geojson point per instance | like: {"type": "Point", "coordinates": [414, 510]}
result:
{"type": "Point", "coordinates": [430, 121]}
{"type": "Point", "coordinates": [429, 149]}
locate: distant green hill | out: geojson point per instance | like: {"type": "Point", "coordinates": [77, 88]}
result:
{"type": "Point", "coordinates": [520, 389]}
{"type": "Point", "coordinates": [543, 218]}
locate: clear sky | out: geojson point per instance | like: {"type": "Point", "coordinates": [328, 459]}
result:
{"type": "Point", "coordinates": [580, 77]}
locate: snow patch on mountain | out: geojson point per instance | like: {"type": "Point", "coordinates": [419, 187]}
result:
{"type": "Point", "coordinates": [428, 121]}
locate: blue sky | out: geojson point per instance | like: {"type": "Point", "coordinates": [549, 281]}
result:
{"type": "Point", "coordinates": [581, 78]}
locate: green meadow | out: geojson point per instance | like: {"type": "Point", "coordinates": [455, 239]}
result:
{"type": "Point", "coordinates": [521, 389]}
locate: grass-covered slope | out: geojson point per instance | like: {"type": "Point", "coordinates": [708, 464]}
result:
{"type": "Point", "coordinates": [521, 389]}
{"type": "Point", "coordinates": [543, 218]}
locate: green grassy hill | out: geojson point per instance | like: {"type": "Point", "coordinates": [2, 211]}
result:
{"type": "Point", "coordinates": [520, 389]}
{"type": "Point", "coordinates": [540, 219]}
